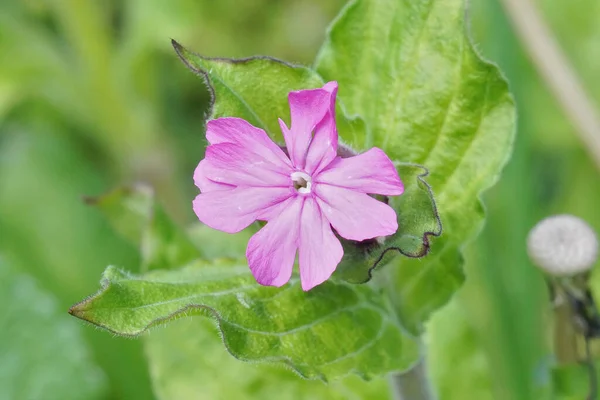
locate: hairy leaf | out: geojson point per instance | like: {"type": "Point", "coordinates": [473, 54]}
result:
{"type": "Point", "coordinates": [409, 70]}
{"type": "Point", "coordinates": [186, 359]}
{"type": "Point", "coordinates": [134, 213]}
{"type": "Point", "coordinates": [326, 333]}
{"type": "Point", "coordinates": [254, 89]}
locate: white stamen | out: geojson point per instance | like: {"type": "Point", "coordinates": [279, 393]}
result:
{"type": "Point", "coordinates": [302, 182]}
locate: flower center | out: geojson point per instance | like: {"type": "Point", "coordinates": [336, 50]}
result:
{"type": "Point", "coordinates": [302, 182]}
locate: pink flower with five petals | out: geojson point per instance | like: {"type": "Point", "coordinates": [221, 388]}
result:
{"type": "Point", "coordinates": [246, 177]}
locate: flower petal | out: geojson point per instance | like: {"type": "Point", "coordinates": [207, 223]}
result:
{"type": "Point", "coordinates": [323, 148]}
{"type": "Point", "coordinates": [320, 251]}
{"type": "Point", "coordinates": [239, 166]}
{"type": "Point", "coordinates": [271, 252]}
{"type": "Point", "coordinates": [233, 210]}
{"type": "Point", "coordinates": [369, 172]}
{"type": "Point", "coordinates": [307, 108]}
{"type": "Point", "coordinates": [355, 215]}
{"type": "Point", "coordinates": [204, 183]}
{"type": "Point", "coordinates": [240, 132]}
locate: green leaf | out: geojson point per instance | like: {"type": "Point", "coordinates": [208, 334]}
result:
{"type": "Point", "coordinates": [254, 89]}
{"type": "Point", "coordinates": [187, 362]}
{"type": "Point", "coordinates": [326, 333]}
{"type": "Point", "coordinates": [134, 213]}
{"type": "Point", "coordinates": [187, 359]}
{"type": "Point", "coordinates": [43, 353]}
{"type": "Point", "coordinates": [233, 84]}
{"type": "Point", "coordinates": [410, 71]}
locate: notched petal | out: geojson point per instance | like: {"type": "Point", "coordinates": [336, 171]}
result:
{"type": "Point", "coordinates": [311, 110]}
{"type": "Point", "coordinates": [324, 145]}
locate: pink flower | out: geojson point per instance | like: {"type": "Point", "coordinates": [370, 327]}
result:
{"type": "Point", "coordinates": [246, 177]}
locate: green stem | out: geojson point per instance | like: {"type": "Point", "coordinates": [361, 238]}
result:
{"type": "Point", "coordinates": [413, 384]}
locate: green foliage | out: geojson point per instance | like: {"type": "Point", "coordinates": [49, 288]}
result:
{"type": "Point", "coordinates": [40, 346]}
{"type": "Point", "coordinates": [462, 127]}
{"type": "Point", "coordinates": [71, 140]}
{"type": "Point", "coordinates": [187, 359]}
{"type": "Point", "coordinates": [326, 333]}
{"type": "Point", "coordinates": [549, 173]}
{"type": "Point", "coordinates": [254, 89]}
{"type": "Point", "coordinates": [428, 98]}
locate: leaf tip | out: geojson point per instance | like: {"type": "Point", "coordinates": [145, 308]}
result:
{"type": "Point", "coordinates": [184, 55]}
{"type": "Point", "coordinates": [176, 45]}
{"type": "Point", "coordinates": [110, 275]}
{"type": "Point", "coordinates": [78, 310]}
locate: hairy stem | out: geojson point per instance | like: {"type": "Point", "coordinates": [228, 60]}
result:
{"type": "Point", "coordinates": [413, 384]}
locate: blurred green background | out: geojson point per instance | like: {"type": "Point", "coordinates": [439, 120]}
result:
{"type": "Point", "coordinates": [92, 96]}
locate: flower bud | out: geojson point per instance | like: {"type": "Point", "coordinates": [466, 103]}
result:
{"type": "Point", "coordinates": [563, 245]}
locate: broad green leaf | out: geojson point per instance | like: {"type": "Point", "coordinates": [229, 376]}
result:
{"type": "Point", "coordinates": [410, 71]}
{"type": "Point", "coordinates": [43, 355]}
{"type": "Point", "coordinates": [254, 89]}
{"type": "Point", "coordinates": [233, 84]}
{"type": "Point", "coordinates": [326, 333]}
{"type": "Point", "coordinates": [188, 362]}
{"type": "Point", "coordinates": [134, 213]}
